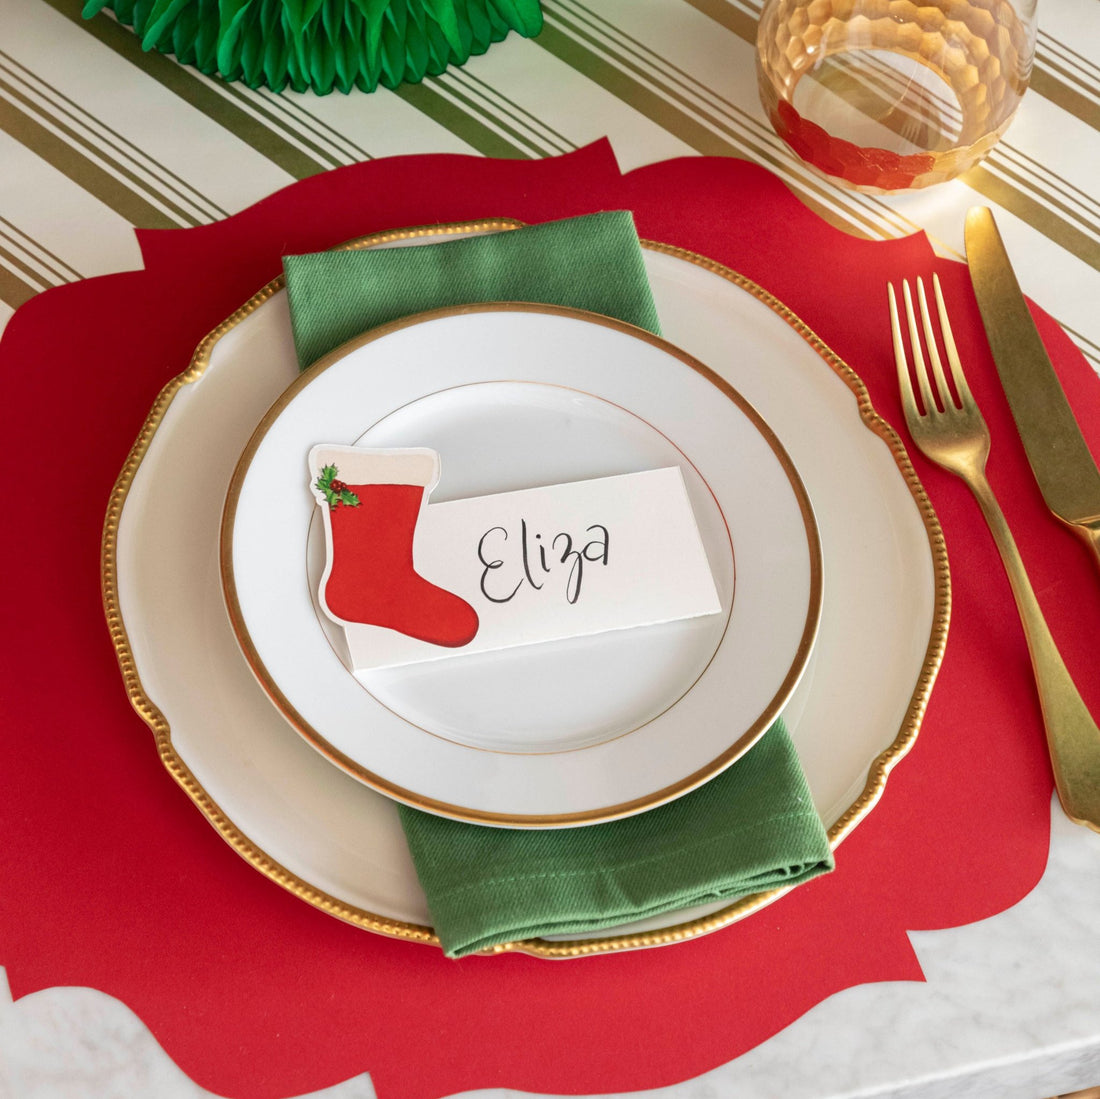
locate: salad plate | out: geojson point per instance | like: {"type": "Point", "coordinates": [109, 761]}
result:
{"type": "Point", "coordinates": [337, 844]}
{"type": "Point", "coordinates": [563, 733]}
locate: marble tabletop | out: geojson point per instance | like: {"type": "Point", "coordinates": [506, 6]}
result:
{"type": "Point", "coordinates": [97, 138]}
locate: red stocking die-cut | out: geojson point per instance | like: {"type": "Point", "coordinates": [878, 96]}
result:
{"type": "Point", "coordinates": [372, 500]}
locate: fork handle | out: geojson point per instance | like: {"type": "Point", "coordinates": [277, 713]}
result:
{"type": "Point", "coordinates": [1072, 736]}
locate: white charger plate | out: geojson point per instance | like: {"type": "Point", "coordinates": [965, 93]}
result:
{"type": "Point", "coordinates": [337, 844]}
{"type": "Point", "coordinates": [582, 730]}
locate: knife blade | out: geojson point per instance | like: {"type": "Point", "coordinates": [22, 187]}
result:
{"type": "Point", "coordinates": [1059, 456]}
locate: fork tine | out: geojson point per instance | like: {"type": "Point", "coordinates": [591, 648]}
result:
{"type": "Point", "coordinates": [957, 375]}
{"type": "Point", "coordinates": [930, 406]}
{"type": "Point", "coordinates": [908, 399]}
{"type": "Point", "coordinates": [930, 339]}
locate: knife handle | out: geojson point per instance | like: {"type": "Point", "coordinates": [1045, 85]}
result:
{"type": "Point", "coordinates": [1073, 738]}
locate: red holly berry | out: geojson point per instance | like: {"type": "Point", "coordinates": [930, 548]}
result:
{"type": "Point", "coordinates": [338, 486]}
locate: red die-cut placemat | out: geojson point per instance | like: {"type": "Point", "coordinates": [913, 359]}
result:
{"type": "Point", "coordinates": [113, 880]}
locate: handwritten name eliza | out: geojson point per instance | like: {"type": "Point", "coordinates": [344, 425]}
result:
{"type": "Point", "coordinates": [538, 566]}
{"type": "Point", "coordinates": [510, 563]}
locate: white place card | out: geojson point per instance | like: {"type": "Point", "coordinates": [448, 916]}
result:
{"type": "Point", "coordinates": [555, 562]}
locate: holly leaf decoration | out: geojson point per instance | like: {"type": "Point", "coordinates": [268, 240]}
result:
{"type": "Point", "coordinates": [335, 492]}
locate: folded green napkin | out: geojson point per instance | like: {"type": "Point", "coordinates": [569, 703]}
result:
{"type": "Point", "coordinates": [591, 262]}
{"type": "Point", "coordinates": [751, 828]}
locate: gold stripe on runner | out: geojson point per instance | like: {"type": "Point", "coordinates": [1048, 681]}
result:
{"type": "Point", "coordinates": [1082, 71]}
{"type": "Point", "coordinates": [80, 169]}
{"type": "Point", "coordinates": [1052, 82]}
{"type": "Point", "coordinates": [468, 100]}
{"type": "Point", "coordinates": [495, 99]}
{"type": "Point", "coordinates": [291, 105]}
{"type": "Point", "coordinates": [740, 22]}
{"type": "Point", "coordinates": [107, 143]}
{"type": "Point", "coordinates": [14, 290]}
{"type": "Point", "coordinates": [1089, 348]}
{"type": "Point", "coordinates": [1010, 195]}
{"type": "Point", "coordinates": [21, 267]}
{"type": "Point", "coordinates": [94, 153]}
{"type": "Point", "coordinates": [1079, 206]}
{"type": "Point", "coordinates": [191, 88]}
{"type": "Point", "coordinates": [268, 110]}
{"type": "Point", "coordinates": [50, 265]}
{"type": "Point", "coordinates": [425, 98]}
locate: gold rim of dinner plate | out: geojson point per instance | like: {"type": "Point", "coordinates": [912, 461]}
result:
{"type": "Point", "coordinates": [601, 814]}
{"type": "Point", "coordinates": [880, 768]}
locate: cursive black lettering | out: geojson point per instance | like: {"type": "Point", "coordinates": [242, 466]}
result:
{"type": "Point", "coordinates": [602, 546]}
{"type": "Point", "coordinates": [536, 556]}
{"type": "Point", "coordinates": [526, 562]}
{"type": "Point", "coordinates": [576, 568]}
{"type": "Point", "coordinates": [490, 566]}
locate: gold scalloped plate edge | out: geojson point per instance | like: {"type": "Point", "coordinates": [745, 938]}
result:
{"type": "Point", "coordinates": [880, 768]}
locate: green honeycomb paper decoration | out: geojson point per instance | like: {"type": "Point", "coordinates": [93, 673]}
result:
{"type": "Point", "coordinates": [320, 45]}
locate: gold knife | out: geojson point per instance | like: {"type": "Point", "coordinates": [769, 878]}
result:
{"type": "Point", "coordinates": [1059, 456]}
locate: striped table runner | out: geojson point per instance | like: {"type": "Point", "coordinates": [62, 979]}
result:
{"type": "Point", "coordinates": [97, 137]}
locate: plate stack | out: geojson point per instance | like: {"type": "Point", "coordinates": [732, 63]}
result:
{"type": "Point", "coordinates": [816, 534]}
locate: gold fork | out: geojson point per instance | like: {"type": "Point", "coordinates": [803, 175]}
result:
{"type": "Point", "coordinates": [954, 435]}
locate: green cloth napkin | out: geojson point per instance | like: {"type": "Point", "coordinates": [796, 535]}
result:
{"type": "Point", "coordinates": [751, 828]}
{"type": "Point", "coordinates": [592, 262]}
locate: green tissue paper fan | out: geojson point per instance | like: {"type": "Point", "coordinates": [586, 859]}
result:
{"type": "Point", "coordinates": [323, 44]}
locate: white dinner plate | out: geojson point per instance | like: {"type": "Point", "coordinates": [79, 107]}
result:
{"type": "Point", "coordinates": [573, 732]}
{"type": "Point", "coordinates": [336, 843]}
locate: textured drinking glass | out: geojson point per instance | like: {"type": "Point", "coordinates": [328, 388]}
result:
{"type": "Point", "coordinates": [883, 95]}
